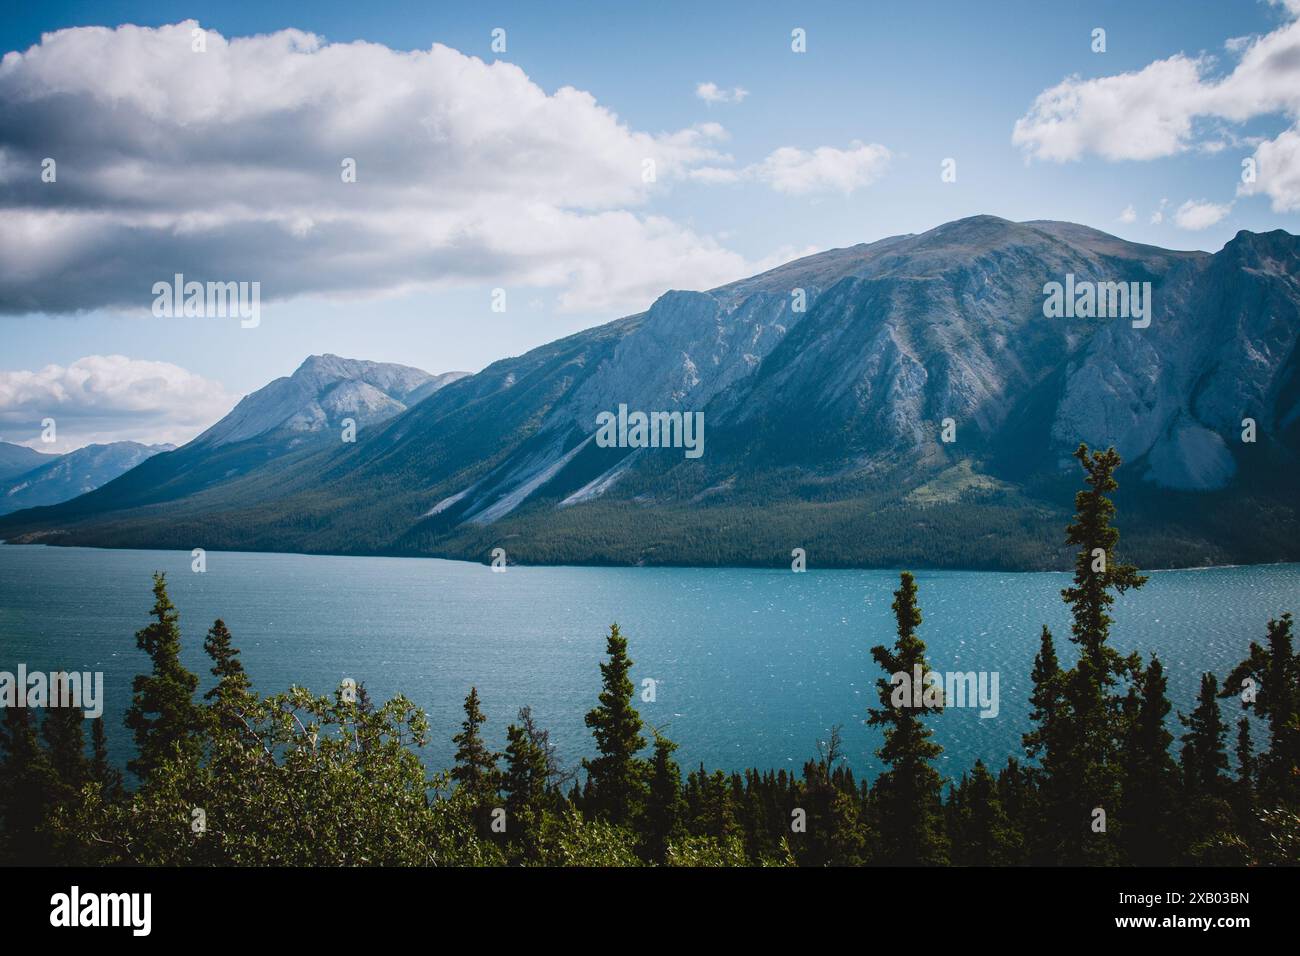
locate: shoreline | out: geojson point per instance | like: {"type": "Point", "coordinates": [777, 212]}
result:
{"type": "Point", "coordinates": [919, 569]}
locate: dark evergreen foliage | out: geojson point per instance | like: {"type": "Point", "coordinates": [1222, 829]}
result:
{"type": "Point", "coordinates": [294, 779]}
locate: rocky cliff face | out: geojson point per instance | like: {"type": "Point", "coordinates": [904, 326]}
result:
{"type": "Point", "coordinates": [324, 390]}
{"type": "Point", "coordinates": [839, 405]}
{"type": "Point", "coordinates": [899, 335]}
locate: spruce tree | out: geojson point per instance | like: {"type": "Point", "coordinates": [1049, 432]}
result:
{"type": "Point", "coordinates": [617, 778]}
{"type": "Point", "coordinates": [526, 783]}
{"type": "Point", "coordinates": [983, 834]}
{"type": "Point", "coordinates": [1090, 769]}
{"type": "Point", "coordinates": [665, 806]}
{"type": "Point", "coordinates": [1049, 742]}
{"type": "Point", "coordinates": [1208, 820]}
{"type": "Point", "coordinates": [102, 770]}
{"type": "Point", "coordinates": [1203, 756]}
{"type": "Point", "coordinates": [231, 695]}
{"type": "Point", "coordinates": [1245, 756]}
{"type": "Point", "coordinates": [1268, 682]}
{"type": "Point", "coordinates": [1096, 569]}
{"type": "Point", "coordinates": [65, 742]}
{"type": "Point", "coordinates": [27, 786]}
{"type": "Point", "coordinates": [1243, 796]}
{"type": "Point", "coordinates": [1150, 775]}
{"type": "Point", "coordinates": [907, 795]}
{"type": "Point", "coordinates": [476, 766]}
{"type": "Point", "coordinates": [163, 716]}
{"type": "Point", "coordinates": [1020, 799]}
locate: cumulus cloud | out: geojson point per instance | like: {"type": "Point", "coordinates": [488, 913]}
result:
{"type": "Point", "coordinates": [102, 398]}
{"type": "Point", "coordinates": [798, 172]}
{"type": "Point", "coordinates": [1277, 172]}
{"type": "Point", "coordinates": [226, 165]}
{"type": "Point", "coordinates": [1200, 214]}
{"type": "Point", "coordinates": [1140, 115]}
{"type": "Point", "coordinates": [712, 93]}
{"type": "Point", "coordinates": [1177, 104]}
{"type": "Point", "coordinates": [1129, 214]}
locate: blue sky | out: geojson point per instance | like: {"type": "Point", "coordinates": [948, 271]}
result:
{"type": "Point", "coordinates": [914, 83]}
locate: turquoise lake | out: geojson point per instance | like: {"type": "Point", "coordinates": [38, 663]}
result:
{"type": "Point", "coordinates": [753, 667]}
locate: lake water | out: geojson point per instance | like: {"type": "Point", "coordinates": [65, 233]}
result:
{"type": "Point", "coordinates": [753, 666]}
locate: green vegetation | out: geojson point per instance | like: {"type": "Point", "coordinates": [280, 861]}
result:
{"type": "Point", "coordinates": [960, 518]}
{"type": "Point", "coordinates": [296, 779]}
{"type": "Point", "coordinates": [952, 483]}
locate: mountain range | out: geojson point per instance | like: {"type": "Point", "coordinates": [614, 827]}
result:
{"type": "Point", "coordinates": [30, 478]}
{"type": "Point", "coordinates": [16, 459]}
{"type": "Point", "coordinates": [905, 401]}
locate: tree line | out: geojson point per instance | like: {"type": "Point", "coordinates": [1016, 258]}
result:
{"type": "Point", "coordinates": [1109, 774]}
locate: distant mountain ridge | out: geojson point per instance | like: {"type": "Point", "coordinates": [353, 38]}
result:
{"type": "Point", "coordinates": [289, 418]}
{"type": "Point", "coordinates": [824, 426]}
{"type": "Point", "coordinates": [324, 390]}
{"type": "Point", "coordinates": [66, 476]}
{"type": "Point", "coordinates": [16, 459]}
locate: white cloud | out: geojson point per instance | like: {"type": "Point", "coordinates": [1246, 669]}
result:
{"type": "Point", "coordinates": [225, 165]}
{"type": "Point", "coordinates": [1177, 104]}
{"type": "Point", "coordinates": [1277, 172]}
{"type": "Point", "coordinates": [1200, 214]}
{"type": "Point", "coordinates": [1158, 216]}
{"type": "Point", "coordinates": [798, 172]}
{"type": "Point", "coordinates": [103, 398]}
{"type": "Point", "coordinates": [1129, 214]}
{"type": "Point", "coordinates": [712, 93]}
{"type": "Point", "coordinates": [1139, 115]}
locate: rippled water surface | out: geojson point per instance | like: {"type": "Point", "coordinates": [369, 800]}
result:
{"type": "Point", "coordinates": [753, 666]}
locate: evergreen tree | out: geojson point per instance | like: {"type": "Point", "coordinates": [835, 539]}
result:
{"type": "Point", "coordinates": [526, 782]}
{"type": "Point", "coordinates": [710, 806]}
{"type": "Point", "coordinates": [1150, 775]}
{"type": "Point", "coordinates": [1096, 570]}
{"type": "Point", "coordinates": [1049, 742]}
{"type": "Point", "coordinates": [69, 771]}
{"type": "Point", "coordinates": [1243, 797]}
{"type": "Point", "coordinates": [665, 806]}
{"type": "Point", "coordinates": [1245, 756]}
{"type": "Point", "coordinates": [1268, 681]}
{"type": "Point", "coordinates": [1020, 801]}
{"type": "Point", "coordinates": [1203, 756]}
{"type": "Point", "coordinates": [476, 765]}
{"type": "Point", "coordinates": [617, 778]}
{"type": "Point", "coordinates": [982, 832]}
{"type": "Point", "coordinates": [848, 829]}
{"type": "Point", "coordinates": [231, 695]}
{"type": "Point", "coordinates": [163, 716]}
{"type": "Point", "coordinates": [65, 742]}
{"type": "Point", "coordinates": [27, 783]}
{"type": "Point", "coordinates": [1090, 771]}
{"type": "Point", "coordinates": [101, 770]}
{"type": "Point", "coordinates": [907, 795]}
{"type": "Point", "coordinates": [1209, 821]}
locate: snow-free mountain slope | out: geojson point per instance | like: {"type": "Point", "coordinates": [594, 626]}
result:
{"type": "Point", "coordinates": [823, 424]}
